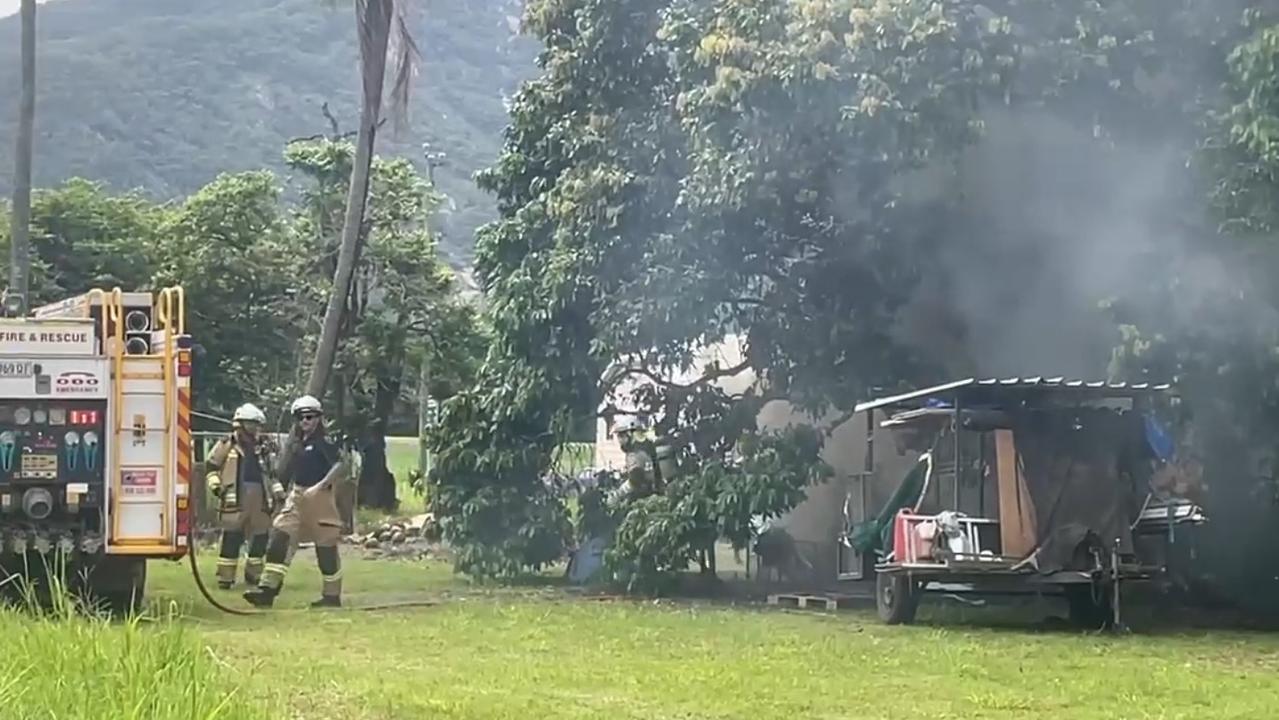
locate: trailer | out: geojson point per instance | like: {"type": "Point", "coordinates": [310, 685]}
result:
{"type": "Point", "coordinates": [1021, 485]}
{"type": "Point", "coordinates": [95, 441]}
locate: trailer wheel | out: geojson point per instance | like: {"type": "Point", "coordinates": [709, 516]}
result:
{"type": "Point", "coordinates": [1088, 609]}
{"type": "Point", "coordinates": [896, 598]}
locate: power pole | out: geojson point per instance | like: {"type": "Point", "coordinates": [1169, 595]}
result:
{"type": "Point", "coordinates": [16, 297]}
{"type": "Point", "coordinates": [425, 417]}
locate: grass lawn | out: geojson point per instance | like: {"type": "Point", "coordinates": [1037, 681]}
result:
{"type": "Point", "coordinates": [402, 459]}
{"type": "Point", "coordinates": [535, 652]}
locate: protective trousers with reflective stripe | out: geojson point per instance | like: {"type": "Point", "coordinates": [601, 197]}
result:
{"type": "Point", "coordinates": [229, 557]}
{"type": "Point", "coordinates": [309, 514]}
{"type": "Point", "coordinates": [249, 518]}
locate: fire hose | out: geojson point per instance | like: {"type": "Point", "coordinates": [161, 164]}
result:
{"type": "Point", "coordinates": [199, 581]}
{"type": "Point", "coordinates": [204, 590]}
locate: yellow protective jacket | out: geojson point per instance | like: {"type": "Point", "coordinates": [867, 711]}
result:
{"type": "Point", "coordinates": [224, 466]}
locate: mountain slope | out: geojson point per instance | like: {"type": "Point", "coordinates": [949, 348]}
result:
{"type": "Point", "coordinates": [162, 95]}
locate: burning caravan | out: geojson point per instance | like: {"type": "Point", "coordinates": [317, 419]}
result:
{"type": "Point", "coordinates": [1017, 485]}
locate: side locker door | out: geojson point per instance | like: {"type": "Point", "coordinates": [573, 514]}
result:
{"type": "Point", "coordinates": [142, 482]}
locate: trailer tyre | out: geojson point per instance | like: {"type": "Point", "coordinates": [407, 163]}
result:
{"type": "Point", "coordinates": [1089, 608]}
{"type": "Point", "coordinates": [896, 598]}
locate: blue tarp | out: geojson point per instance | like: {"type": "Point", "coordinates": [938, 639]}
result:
{"type": "Point", "coordinates": [587, 561]}
{"type": "Point", "coordinates": [1158, 438]}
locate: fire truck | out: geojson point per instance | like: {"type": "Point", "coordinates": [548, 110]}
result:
{"type": "Point", "coordinates": [95, 440]}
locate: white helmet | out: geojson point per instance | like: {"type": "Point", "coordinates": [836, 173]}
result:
{"type": "Point", "coordinates": [306, 403]}
{"type": "Point", "coordinates": [248, 412]}
{"type": "Point", "coordinates": [628, 423]}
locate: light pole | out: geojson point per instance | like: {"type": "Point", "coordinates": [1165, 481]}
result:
{"type": "Point", "coordinates": [425, 406]}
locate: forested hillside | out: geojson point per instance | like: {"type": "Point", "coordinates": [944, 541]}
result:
{"type": "Point", "coordinates": [162, 95]}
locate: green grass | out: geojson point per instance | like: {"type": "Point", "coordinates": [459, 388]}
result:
{"type": "Point", "coordinates": [87, 668]}
{"type": "Point", "coordinates": [60, 663]}
{"type": "Point", "coordinates": [536, 650]}
{"type": "Point", "coordinates": [402, 459]}
{"type": "Point", "coordinates": [530, 652]}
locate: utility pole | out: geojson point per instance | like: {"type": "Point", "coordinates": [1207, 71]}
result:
{"type": "Point", "coordinates": [425, 406]}
{"type": "Point", "coordinates": [425, 416]}
{"type": "Point", "coordinates": [16, 297]}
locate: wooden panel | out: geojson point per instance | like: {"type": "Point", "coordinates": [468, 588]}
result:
{"type": "Point", "coordinates": [1016, 511]}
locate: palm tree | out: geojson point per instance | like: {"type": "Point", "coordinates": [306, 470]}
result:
{"type": "Point", "coordinates": [382, 29]}
{"type": "Point", "coordinates": [378, 23]}
{"type": "Point", "coordinates": [20, 220]}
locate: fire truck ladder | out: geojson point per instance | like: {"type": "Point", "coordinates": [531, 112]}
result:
{"type": "Point", "coordinates": [135, 376]}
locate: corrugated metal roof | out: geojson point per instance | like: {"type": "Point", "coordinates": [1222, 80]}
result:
{"type": "Point", "coordinates": [1017, 383]}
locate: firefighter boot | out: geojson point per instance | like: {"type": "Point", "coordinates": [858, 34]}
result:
{"type": "Point", "coordinates": [273, 571]}
{"type": "Point", "coordinates": [229, 557]}
{"type": "Point", "coordinates": [331, 570]}
{"type": "Point", "coordinates": [263, 597]}
{"type": "Point", "coordinates": [253, 564]}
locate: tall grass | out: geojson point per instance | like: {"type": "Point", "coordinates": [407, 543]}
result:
{"type": "Point", "coordinates": [61, 659]}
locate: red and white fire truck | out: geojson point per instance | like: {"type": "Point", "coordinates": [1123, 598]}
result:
{"type": "Point", "coordinates": [95, 439]}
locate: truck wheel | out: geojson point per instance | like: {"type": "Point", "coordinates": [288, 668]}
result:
{"type": "Point", "coordinates": [119, 584]}
{"type": "Point", "coordinates": [896, 598]}
{"type": "Point", "coordinates": [1086, 609]}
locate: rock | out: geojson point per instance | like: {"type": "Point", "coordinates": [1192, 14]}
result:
{"type": "Point", "coordinates": [397, 537]}
{"type": "Point", "coordinates": [412, 532]}
{"type": "Point", "coordinates": [372, 543]}
{"type": "Point", "coordinates": [384, 535]}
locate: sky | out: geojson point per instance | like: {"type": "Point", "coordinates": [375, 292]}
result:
{"type": "Point", "coordinates": [9, 7]}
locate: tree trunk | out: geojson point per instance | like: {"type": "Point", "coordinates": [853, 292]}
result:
{"type": "Point", "coordinates": [374, 476]}
{"type": "Point", "coordinates": [373, 24]}
{"type": "Point", "coordinates": [20, 221]}
{"type": "Point", "coordinates": [377, 482]}
{"type": "Point", "coordinates": [375, 33]}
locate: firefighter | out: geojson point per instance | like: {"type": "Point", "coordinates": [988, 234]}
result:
{"type": "Point", "coordinates": [310, 512]}
{"type": "Point", "coordinates": [649, 463]}
{"type": "Point", "coordinates": [241, 471]}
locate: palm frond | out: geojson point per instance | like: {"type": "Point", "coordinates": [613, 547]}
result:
{"type": "Point", "coordinates": [404, 56]}
{"type": "Point", "coordinates": [385, 24]}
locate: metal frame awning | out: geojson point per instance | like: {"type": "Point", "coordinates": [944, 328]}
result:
{"type": "Point", "coordinates": [972, 386]}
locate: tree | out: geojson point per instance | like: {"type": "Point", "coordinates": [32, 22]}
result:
{"type": "Point", "coordinates": [376, 20]}
{"type": "Point", "coordinates": [803, 176]}
{"type": "Point", "coordinates": [83, 237]}
{"type": "Point", "coordinates": [660, 193]}
{"type": "Point", "coordinates": [232, 247]}
{"type": "Point", "coordinates": [402, 309]}
{"type": "Point", "coordinates": [20, 213]}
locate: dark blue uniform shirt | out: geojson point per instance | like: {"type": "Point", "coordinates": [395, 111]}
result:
{"type": "Point", "coordinates": [315, 458]}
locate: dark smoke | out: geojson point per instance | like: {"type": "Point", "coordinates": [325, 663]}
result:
{"type": "Point", "coordinates": [1050, 222]}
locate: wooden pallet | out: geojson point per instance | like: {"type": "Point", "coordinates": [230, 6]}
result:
{"type": "Point", "coordinates": [829, 602]}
